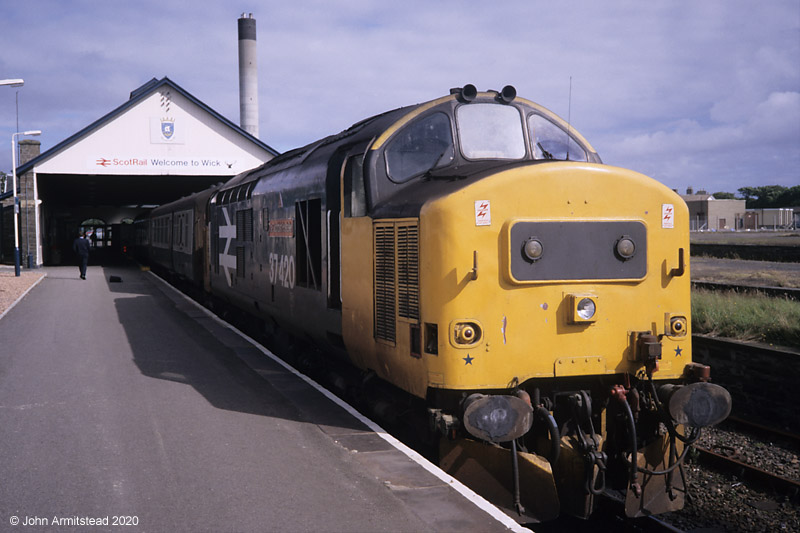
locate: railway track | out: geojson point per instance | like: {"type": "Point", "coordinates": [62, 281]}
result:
{"type": "Point", "coordinates": [731, 463]}
{"type": "Point", "coordinates": [775, 292]}
{"type": "Point", "coordinates": [741, 477]}
{"type": "Point", "coordinates": [763, 431]}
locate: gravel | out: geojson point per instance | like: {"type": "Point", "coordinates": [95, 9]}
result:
{"type": "Point", "coordinates": [12, 287]}
{"type": "Point", "coordinates": [721, 502]}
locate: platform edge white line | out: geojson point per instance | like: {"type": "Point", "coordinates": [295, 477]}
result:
{"type": "Point", "coordinates": [470, 495]}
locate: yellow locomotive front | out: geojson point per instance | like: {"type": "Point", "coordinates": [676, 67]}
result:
{"type": "Point", "coordinates": [549, 301]}
{"type": "Point", "coordinates": [555, 270]}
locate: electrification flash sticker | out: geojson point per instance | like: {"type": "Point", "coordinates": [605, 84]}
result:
{"type": "Point", "coordinates": [667, 216]}
{"type": "Point", "coordinates": [483, 213]}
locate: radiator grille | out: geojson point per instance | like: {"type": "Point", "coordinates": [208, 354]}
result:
{"type": "Point", "coordinates": [408, 272]}
{"type": "Point", "coordinates": [240, 261]}
{"type": "Point", "coordinates": [384, 283]}
{"type": "Point", "coordinates": [396, 276]}
{"type": "Point", "coordinates": [244, 225]}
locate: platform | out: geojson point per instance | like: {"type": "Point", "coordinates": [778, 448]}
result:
{"type": "Point", "coordinates": [125, 399]}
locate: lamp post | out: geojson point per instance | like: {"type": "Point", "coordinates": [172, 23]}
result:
{"type": "Point", "coordinates": [14, 190]}
{"type": "Point", "coordinates": [14, 82]}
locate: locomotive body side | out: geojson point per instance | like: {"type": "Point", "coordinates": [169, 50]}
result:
{"type": "Point", "coordinates": [270, 247]}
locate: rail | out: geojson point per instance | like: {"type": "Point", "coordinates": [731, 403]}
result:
{"type": "Point", "coordinates": [775, 292]}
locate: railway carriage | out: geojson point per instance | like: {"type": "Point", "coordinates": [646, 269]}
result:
{"type": "Point", "coordinates": [177, 239]}
{"type": "Point", "coordinates": [474, 252]}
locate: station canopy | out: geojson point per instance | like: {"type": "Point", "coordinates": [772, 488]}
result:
{"type": "Point", "coordinates": [163, 143]}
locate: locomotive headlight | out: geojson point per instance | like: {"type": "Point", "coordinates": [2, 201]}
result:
{"type": "Point", "coordinates": [625, 248]}
{"type": "Point", "coordinates": [533, 249]}
{"type": "Point", "coordinates": [584, 308]}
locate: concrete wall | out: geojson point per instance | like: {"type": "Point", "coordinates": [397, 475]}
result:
{"type": "Point", "coordinates": [726, 214]}
{"type": "Point", "coordinates": [762, 383]}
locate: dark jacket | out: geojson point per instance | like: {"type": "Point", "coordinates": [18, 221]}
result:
{"type": "Point", "coordinates": [81, 247]}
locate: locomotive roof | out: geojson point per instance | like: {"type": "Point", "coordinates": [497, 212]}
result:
{"type": "Point", "coordinates": [380, 127]}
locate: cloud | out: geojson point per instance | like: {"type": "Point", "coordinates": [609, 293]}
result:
{"type": "Point", "coordinates": [688, 92]}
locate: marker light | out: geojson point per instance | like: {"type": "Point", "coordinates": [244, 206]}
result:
{"type": "Point", "coordinates": [465, 334]}
{"type": "Point", "coordinates": [533, 249]}
{"type": "Point", "coordinates": [677, 326]}
{"type": "Point", "coordinates": [625, 248]}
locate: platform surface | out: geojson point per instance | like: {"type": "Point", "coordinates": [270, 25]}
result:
{"type": "Point", "coordinates": [126, 400]}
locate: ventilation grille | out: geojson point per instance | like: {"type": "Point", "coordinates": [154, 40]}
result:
{"type": "Point", "coordinates": [408, 272]}
{"type": "Point", "coordinates": [244, 225]}
{"type": "Point", "coordinates": [240, 261]}
{"type": "Point", "coordinates": [396, 276]}
{"type": "Point", "coordinates": [384, 283]}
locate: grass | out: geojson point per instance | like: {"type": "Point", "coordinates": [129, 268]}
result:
{"type": "Point", "coordinates": [746, 317]}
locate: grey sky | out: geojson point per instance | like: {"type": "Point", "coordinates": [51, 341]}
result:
{"type": "Point", "coordinates": [703, 94]}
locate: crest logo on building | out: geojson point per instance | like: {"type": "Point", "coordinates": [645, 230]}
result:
{"type": "Point", "coordinates": [168, 127]}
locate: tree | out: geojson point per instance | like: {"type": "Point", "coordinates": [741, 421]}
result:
{"type": "Point", "coordinates": [724, 196]}
{"type": "Point", "coordinates": [790, 197]}
{"type": "Point", "coordinates": [765, 196]}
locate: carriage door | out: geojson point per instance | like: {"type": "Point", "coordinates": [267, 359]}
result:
{"type": "Point", "coordinates": [352, 203]}
{"type": "Point", "coordinates": [333, 215]}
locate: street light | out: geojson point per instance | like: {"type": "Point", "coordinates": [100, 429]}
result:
{"type": "Point", "coordinates": [14, 189]}
{"type": "Point", "coordinates": [14, 82]}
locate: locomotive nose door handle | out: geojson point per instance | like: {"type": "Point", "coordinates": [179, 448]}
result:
{"type": "Point", "coordinates": [474, 272]}
{"type": "Point", "coordinates": [681, 270]}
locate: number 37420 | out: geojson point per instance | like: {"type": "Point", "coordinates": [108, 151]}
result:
{"type": "Point", "coordinates": [281, 270]}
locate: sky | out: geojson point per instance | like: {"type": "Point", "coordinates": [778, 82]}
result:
{"type": "Point", "coordinates": [701, 94]}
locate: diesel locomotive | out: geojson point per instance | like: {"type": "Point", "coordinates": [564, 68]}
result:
{"type": "Point", "coordinates": [475, 252]}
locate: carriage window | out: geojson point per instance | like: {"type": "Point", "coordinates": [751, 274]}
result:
{"type": "Point", "coordinates": [490, 131]}
{"type": "Point", "coordinates": [551, 142]}
{"type": "Point", "coordinates": [421, 146]}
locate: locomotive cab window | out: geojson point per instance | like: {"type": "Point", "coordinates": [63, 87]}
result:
{"type": "Point", "coordinates": [551, 142]}
{"type": "Point", "coordinates": [421, 146]}
{"type": "Point", "coordinates": [490, 131]}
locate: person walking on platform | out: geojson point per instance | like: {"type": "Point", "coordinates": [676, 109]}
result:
{"type": "Point", "coordinates": [81, 247]}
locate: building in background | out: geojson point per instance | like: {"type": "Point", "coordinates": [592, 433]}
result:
{"type": "Point", "coordinates": [770, 218]}
{"type": "Point", "coordinates": [160, 145]}
{"type": "Point", "coordinates": [707, 213]}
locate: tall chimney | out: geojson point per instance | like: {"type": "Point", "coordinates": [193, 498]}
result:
{"type": "Point", "coordinates": [248, 75]}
